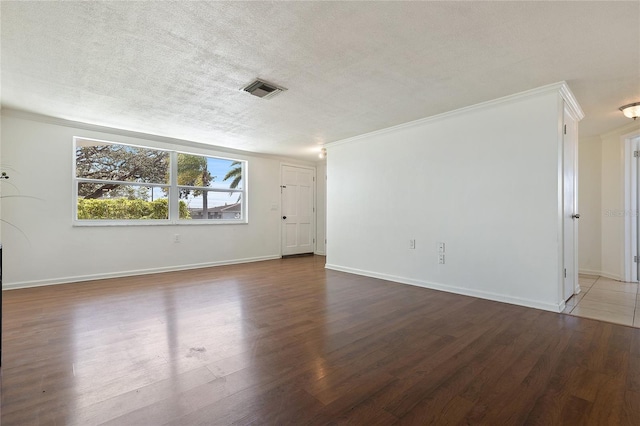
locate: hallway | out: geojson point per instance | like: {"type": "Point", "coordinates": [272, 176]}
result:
{"type": "Point", "coordinates": [606, 300]}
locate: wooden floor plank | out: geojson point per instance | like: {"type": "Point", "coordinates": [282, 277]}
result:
{"type": "Point", "coordinates": [289, 342]}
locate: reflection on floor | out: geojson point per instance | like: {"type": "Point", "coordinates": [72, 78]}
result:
{"type": "Point", "coordinates": [606, 300]}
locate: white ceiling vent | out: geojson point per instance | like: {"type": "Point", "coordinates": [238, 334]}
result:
{"type": "Point", "coordinates": [262, 89]}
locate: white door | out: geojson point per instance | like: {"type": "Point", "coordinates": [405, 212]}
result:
{"type": "Point", "coordinates": [298, 215]}
{"type": "Point", "coordinates": [571, 215]}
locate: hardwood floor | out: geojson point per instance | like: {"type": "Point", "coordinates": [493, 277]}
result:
{"type": "Point", "coordinates": [288, 342]}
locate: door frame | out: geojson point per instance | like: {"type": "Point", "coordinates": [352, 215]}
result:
{"type": "Point", "coordinates": [567, 104]}
{"type": "Point", "coordinates": [573, 245]}
{"type": "Point", "coordinates": [631, 143]}
{"type": "Point", "coordinates": [315, 211]}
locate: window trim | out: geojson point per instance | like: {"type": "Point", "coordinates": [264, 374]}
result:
{"type": "Point", "coordinates": [173, 193]}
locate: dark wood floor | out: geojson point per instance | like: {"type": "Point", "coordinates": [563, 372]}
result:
{"type": "Point", "coordinates": [287, 342]}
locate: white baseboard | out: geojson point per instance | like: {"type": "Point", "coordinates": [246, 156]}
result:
{"type": "Point", "coordinates": [611, 275]}
{"type": "Point", "coordinates": [604, 274]}
{"type": "Point", "coordinates": [320, 253]}
{"type": "Point", "coordinates": [93, 277]}
{"type": "Point", "coordinates": [453, 289]}
{"type": "Point", "coordinates": [589, 272]}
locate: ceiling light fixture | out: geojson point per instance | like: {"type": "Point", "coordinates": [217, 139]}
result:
{"type": "Point", "coordinates": [323, 153]}
{"type": "Point", "coordinates": [631, 110]}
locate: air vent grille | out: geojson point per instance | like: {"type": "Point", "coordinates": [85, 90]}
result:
{"type": "Point", "coordinates": [263, 89]}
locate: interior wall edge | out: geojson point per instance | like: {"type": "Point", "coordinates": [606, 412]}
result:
{"type": "Point", "coordinates": [590, 272]}
{"type": "Point", "coordinates": [529, 303]}
{"type": "Point", "coordinates": [604, 274]}
{"type": "Point", "coordinates": [120, 274]}
{"type": "Point", "coordinates": [78, 125]}
{"type": "Point", "coordinates": [619, 131]}
{"type": "Point", "coordinates": [559, 87]}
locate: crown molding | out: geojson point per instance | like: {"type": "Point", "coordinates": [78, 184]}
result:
{"type": "Point", "coordinates": [621, 131]}
{"type": "Point", "coordinates": [571, 101]}
{"type": "Point", "coordinates": [560, 87]}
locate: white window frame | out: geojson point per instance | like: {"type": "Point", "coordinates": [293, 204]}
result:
{"type": "Point", "coordinates": [173, 194]}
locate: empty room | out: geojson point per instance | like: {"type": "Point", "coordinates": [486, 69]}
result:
{"type": "Point", "coordinates": [311, 213]}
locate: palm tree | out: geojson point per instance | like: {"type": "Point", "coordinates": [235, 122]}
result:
{"type": "Point", "coordinates": [235, 173]}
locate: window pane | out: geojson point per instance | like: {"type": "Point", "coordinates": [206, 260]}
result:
{"type": "Point", "coordinates": [118, 202]}
{"type": "Point", "coordinates": [120, 182]}
{"type": "Point", "coordinates": [197, 170]}
{"type": "Point", "coordinates": [216, 205]}
{"type": "Point", "coordinates": [104, 161]}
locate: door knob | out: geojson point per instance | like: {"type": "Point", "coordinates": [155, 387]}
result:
{"type": "Point", "coordinates": [575, 216]}
{"type": "Point", "coordinates": [284, 217]}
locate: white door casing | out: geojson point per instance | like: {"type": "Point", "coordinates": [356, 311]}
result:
{"type": "Point", "coordinates": [298, 212]}
{"type": "Point", "coordinates": [570, 221]}
{"type": "Point", "coordinates": [636, 208]}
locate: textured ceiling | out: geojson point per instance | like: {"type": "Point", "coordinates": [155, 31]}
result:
{"type": "Point", "coordinates": [175, 68]}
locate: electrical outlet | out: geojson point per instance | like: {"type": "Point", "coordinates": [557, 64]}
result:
{"type": "Point", "coordinates": [441, 259]}
{"type": "Point", "coordinates": [440, 247]}
{"type": "Point", "coordinates": [176, 238]}
{"type": "Point", "coordinates": [412, 244]}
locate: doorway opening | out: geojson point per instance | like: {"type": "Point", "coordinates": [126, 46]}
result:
{"type": "Point", "coordinates": [632, 207]}
{"type": "Point", "coordinates": [606, 298]}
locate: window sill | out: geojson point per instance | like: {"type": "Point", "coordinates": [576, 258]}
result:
{"type": "Point", "coordinates": [103, 223]}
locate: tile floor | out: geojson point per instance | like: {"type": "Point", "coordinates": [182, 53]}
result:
{"type": "Point", "coordinates": [606, 300]}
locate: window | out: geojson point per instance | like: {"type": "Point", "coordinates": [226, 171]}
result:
{"type": "Point", "coordinates": [211, 187]}
{"type": "Point", "coordinates": [124, 184]}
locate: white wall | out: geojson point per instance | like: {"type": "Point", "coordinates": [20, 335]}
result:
{"type": "Point", "coordinates": [45, 248]}
{"type": "Point", "coordinates": [589, 205]}
{"type": "Point", "coordinates": [485, 181]}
